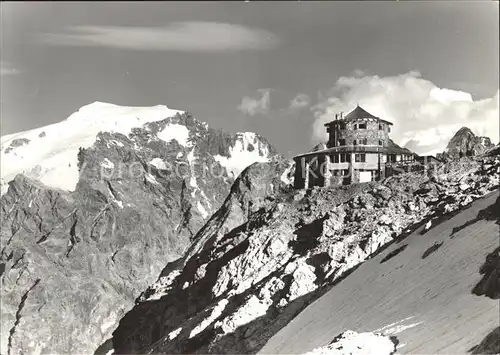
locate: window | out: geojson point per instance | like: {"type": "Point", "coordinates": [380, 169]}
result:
{"type": "Point", "coordinates": [360, 158]}
{"type": "Point", "coordinates": [389, 129]}
{"type": "Point", "coordinates": [342, 126]}
{"type": "Point", "coordinates": [380, 127]}
{"type": "Point", "coordinates": [335, 158]}
{"type": "Point", "coordinates": [380, 142]}
{"type": "Point", "coordinates": [355, 142]}
{"type": "Point", "coordinates": [361, 125]}
{"type": "Point", "coordinates": [345, 157]}
{"type": "Point", "coordinates": [341, 142]}
{"type": "Point", "coordinates": [364, 141]}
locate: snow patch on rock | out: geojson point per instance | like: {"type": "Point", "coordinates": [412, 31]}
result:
{"type": "Point", "coordinates": [120, 144]}
{"type": "Point", "coordinates": [107, 164]}
{"type": "Point", "coordinates": [397, 327]}
{"type": "Point", "coordinates": [246, 150]}
{"type": "Point", "coordinates": [158, 163]}
{"type": "Point", "coordinates": [354, 343]}
{"type": "Point", "coordinates": [108, 323]}
{"type": "Point", "coordinates": [174, 333]}
{"type": "Point", "coordinates": [202, 210]}
{"type": "Point", "coordinates": [118, 203]}
{"type": "Point", "coordinates": [150, 178]}
{"type": "Point", "coordinates": [192, 179]}
{"type": "Point", "coordinates": [284, 176]}
{"type": "Point", "coordinates": [175, 131]}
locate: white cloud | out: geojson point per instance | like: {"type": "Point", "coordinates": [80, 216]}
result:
{"type": "Point", "coordinates": [425, 117]}
{"type": "Point", "coordinates": [300, 101]}
{"type": "Point", "coordinates": [252, 107]}
{"type": "Point", "coordinates": [7, 69]}
{"type": "Point", "coordinates": [358, 72]}
{"type": "Point", "coordinates": [188, 36]}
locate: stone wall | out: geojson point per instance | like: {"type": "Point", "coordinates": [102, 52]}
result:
{"type": "Point", "coordinates": [371, 133]}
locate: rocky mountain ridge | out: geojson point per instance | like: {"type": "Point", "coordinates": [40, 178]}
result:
{"type": "Point", "coordinates": [74, 258]}
{"type": "Point", "coordinates": [465, 144]}
{"type": "Point", "coordinates": [240, 283]}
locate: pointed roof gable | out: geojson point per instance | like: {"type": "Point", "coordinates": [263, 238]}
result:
{"type": "Point", "coordinates": [358, 112]}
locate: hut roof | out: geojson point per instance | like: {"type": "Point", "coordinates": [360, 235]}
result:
{"type": "Point", "coordinates": [360, 113]}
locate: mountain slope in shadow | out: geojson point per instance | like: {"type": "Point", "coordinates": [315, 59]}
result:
{"type": "Point", "coordinates": [427, 303]}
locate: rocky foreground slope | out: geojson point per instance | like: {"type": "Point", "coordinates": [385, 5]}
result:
{"type": "Point", "coordinates": [96, 206]}
{"type": "Point", "coordinates": [432, 290]}
{"type": "Point", "coordinates": [255, 266]}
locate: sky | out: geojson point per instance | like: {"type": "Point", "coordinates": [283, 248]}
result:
{"type": "Point", "coordinates": [280, 69]}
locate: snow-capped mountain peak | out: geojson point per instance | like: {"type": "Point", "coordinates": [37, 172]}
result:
{"type": "Point", "coordinates": [106, 113]}
{"type": "Point", "coordinates": [49, 153]}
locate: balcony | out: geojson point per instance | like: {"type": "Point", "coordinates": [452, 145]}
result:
{"type": "Point", "coordinates": [357, 149]}
{"type": "Point", "coordinates": [392, 164]}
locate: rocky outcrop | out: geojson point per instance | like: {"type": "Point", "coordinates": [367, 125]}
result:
{"type": "Point", "coordinates": [489, 345]}
{"type": "Point", "coordinates": [489, 286]}
{"type": "Point", "coordinates": [245, 278]}
{"type": "Point", "coordinates": [73, 262]}
{"type": "Point", "coordinates": [490, 283]}
{"type": "Point", "coordinates": [493, 150]}
{"type": "Point", "coordinates": [465, 144]}
{"type": "Point", "coordinates": [18, 142]}
{"type": "Point", "coordinates": [486, 142]}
